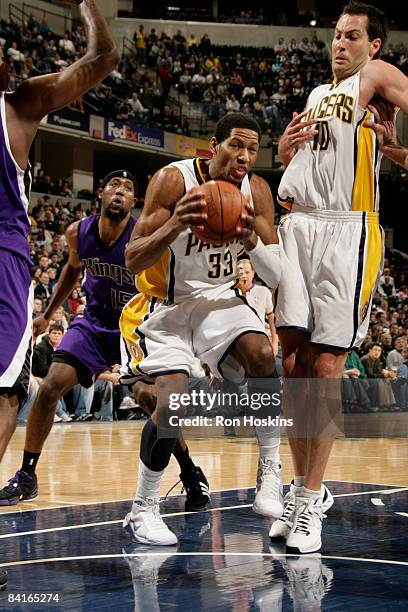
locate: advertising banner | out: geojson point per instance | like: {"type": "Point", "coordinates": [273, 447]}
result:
{"type": "Point", "coordinates": [120, 131]}
{"type": "Point", "coordinates": [192, 147]}
{"type": "Point", "coordinates": [71, 120]}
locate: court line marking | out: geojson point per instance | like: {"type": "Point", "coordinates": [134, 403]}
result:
{"type": "Point", "coordinates": [170, 514]}
{"type": "Point", "coordinates": [196, 554]}
{"type": "Point", "coordinates": [113, 501]}
{"type": "Point", "coordinates": [70, 527]}
{"type": "Point", "coordinates": [70, 504]}
{"type": "Point", "coordinates": [381, 491]}
{"type": "Point", "coordinates": [376, 484]}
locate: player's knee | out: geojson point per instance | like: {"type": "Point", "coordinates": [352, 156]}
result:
{"type": "Point", "coordinates": [325, 366]}
{"type": "Point", "coordinates": [261, 362]}
{"type": "Point", "coordinates": [289, 364]}
{"type": "Point", "coordinates": [49, 393]}
{"type": "Point", "coordinates": [172, 395]}
{"type": "Point", "coordinates": [145, 396]}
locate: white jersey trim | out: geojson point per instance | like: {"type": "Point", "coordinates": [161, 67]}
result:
{"type": "Point", "coordinates": [19, 171]}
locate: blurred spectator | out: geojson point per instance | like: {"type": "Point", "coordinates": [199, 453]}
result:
{"type": "Point", "coordinates": [387, 284]}
{"type": "Point", "coordinates": [137, 108]}
{"type": "Point", "coordinates": [14, 54]}
{"type": "Point", "coordinates": [61, 318]}
{"type": "Point", "coordinates": [380, 391]}
{"type": "Point", "coordinates": [66, 45]}
{"type": "Point", "coordinates": [396, 357]}
{"type": "Point", "coordinates": [139, 39]}
{"type": "Point", "coordinates": [355, 385]}
{"type": "Point", "coordinates": [37, 307]}
{"type": "Point", "coordinates": [401, 383]}
{"type": "Point", "coordinates": [74, 301]}
{"type": "Point", "coordinates": [42, 290]}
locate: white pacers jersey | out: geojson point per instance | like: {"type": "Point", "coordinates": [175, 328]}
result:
{"type": "Point", "coordinates": [190, 266]}
{"type": "Point", "coordinates": [339, 168]}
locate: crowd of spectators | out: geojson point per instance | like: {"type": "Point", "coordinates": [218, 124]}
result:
{"type": "Point", "coordinates": [376, 376]}
{"type": "Point", "coordinates": [161, 74]}
{"type": "Point", "coordinates": [275, 14]}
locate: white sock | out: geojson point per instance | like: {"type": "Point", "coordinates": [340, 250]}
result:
{"type": "Point", "coordinates": [299, 481]}
{"type": "Point", "coordinates": [310, 493]}
{"type": "Point", "coordinates": [148, 482]}
{"type": "Point", "coordinates": [268, 441]}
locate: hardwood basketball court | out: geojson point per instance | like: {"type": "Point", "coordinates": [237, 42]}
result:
{"type": "Point", "coordinates": [70, 541]}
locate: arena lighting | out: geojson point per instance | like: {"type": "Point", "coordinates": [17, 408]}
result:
{"type": "Point", "coordinates": [173, 8]}
{"type": "Point", "coordinates": [313, 23]}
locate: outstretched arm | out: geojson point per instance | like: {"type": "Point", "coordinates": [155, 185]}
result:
{"type": "Point", "coordinates": [66, 284]}
{"type": "Point", "coordinates": [41, 95]}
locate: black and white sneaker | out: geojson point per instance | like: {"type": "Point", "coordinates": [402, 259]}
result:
{"type": "Point", "coordinates": [3, 579]}
{"type": "Point", "coordinates": [22, 487]}
{"type": "Point", "coordinates": [282, 526]}
{"type": "Point", "coordinates": [197, 489]}
{"type": "Point", "coordinates": [305, 535]}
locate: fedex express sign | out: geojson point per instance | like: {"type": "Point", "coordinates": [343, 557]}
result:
{"type": "Point", "coordinates": [125, 132]}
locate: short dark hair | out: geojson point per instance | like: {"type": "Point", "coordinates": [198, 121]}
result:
{"type": "Point", "coordinates": [373, 344]}
{"type": "Point", "coordinates": [377, 25]}
{"type": "Point", "coordinates": [235, 120]}
{"type": "Point", "coordinates": [56, 327]}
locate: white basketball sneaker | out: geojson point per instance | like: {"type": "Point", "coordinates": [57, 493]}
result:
{"type": "Point", "coordinates": [305, 535]}
{"type": "Point", "coordinates": [269, 493]}
{"type": "Point", "coordinates": [146, 525]}
{"type": "Point", "coordinates": [282, 526]}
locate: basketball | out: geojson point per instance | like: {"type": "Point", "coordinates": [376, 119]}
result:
{"type": "Point", "coordinates": [225, 204]}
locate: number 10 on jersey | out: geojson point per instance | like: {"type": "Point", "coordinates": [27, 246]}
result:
{"type": "Point", "coordinates": [322, 138]}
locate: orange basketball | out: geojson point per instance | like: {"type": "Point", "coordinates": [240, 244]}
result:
{"type": "Point", "coordinates": [225, 203]}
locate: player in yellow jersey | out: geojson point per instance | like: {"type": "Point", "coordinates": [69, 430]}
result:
{"type": "Point", "coordinates": [188, 306]}
{"type": "Point", "coordinates": [333, 241]}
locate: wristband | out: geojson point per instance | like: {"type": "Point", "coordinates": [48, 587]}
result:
{"type": "Point", "coordinates": [267, 262]}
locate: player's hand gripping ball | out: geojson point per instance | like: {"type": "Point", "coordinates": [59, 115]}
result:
{"type": "Point", "coordinates": [225, 204]}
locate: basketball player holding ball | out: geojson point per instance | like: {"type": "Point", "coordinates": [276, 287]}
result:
{"type": "Point", "coordinates": [188, 308]}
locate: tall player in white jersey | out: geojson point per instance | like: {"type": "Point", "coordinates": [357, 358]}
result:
{"type": "Point", "coordinates": [188, 307]}
{"type": "Point", "coordinates": [332, 239]}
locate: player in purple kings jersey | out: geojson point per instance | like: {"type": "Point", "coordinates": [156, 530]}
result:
{"type": "Point", "coordinates": [20, 116]}
{"type": "Point", "coordinates": [91, 345]}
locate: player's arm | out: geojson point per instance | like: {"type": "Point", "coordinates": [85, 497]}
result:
{"type": "Point", "coordinates": [388, 82]}
{"type": "Point", "coordinates": [108, 375]}
{"type": "Point", "coordinates": [272, 329]}
{"type": "Point", "coordinates": [385, 127]}
{"type": "Point", "coordinates": [66, 284]}
{"type": "Point", "coordinates": [40, 95]}
{"type": "Point", "coordinates": [381, 79]}
{"type": "Point", "coordinates": [259, 238]}
{"type": "Point", "coordinates": [166, 213]}
{"type": "Point", "coordinates": [296, 133]}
